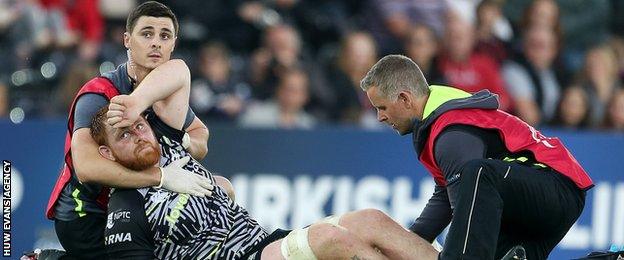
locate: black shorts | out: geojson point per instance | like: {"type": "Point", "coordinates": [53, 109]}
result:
{"type": "Point", "coordinates": [82, 238]}
{"type": "Point", "coordinates": [256, 252]}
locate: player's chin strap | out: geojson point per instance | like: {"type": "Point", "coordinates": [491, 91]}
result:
{"type": "Point", "coordinates": [296, 245]}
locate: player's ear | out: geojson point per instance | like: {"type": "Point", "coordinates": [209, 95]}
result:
{"type": "Point", "coordinates": [127, 40]}
{"type": "Point", "coordinates": [106, 152]}
{"type": "Point", "coordinates": [175, 43]}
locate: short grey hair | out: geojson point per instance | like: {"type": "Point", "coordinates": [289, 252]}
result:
{"type": "Point", "coordinates": [394, 73]}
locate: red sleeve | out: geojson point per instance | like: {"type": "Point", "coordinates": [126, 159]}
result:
{"type": "Point", "coordinates": [84, 16]}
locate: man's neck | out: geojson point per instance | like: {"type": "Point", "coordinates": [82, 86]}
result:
{"type": "Point", "coordinates": [420, 106]}
{"type": "Point", "coordinates": [137, 73]}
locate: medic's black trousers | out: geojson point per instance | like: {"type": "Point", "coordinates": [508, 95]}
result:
{"type": "Point", "coordinates": [501, 204]}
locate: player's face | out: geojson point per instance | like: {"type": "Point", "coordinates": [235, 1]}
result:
{"type": "Point", "coordinates": [151, 41]}
{"type": "Point", "coordinates": [134, 147]}
{"type": "Point", "coordinates": [395, 113]}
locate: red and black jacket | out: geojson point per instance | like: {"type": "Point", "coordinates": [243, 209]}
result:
{"type": "Point", "coordinates": [480, 110]}
{"type": "Point", "coordinates": [101, 86]}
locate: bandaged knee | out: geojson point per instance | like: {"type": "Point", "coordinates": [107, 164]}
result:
{"type": "Point", "coordinates": [295, 246]}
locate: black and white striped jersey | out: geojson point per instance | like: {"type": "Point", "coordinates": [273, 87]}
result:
{"type": "Point", "coordinates": [179, 226]}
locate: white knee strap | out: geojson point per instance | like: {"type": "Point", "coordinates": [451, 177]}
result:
{"type": "Point", "coordinates": [295, 246]}
{"type": "Point", "coordinates": [334, 220]}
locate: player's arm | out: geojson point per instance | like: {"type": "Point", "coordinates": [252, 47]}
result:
{"type": "Point", "coordinates": [162, 85]}
{"type": "Point", "coordinates": [171, 107]}
{"type": "Point", "coordinates": [170, 104]}
{"type": "Point", "coordinates": [166, 89]}
{"type": "Point", "coordinates": [91, 167]}
{"type": "Point", "coordinates": [199, 134]}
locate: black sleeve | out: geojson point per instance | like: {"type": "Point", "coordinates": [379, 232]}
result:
{"type": "Point", "coordinates": [127, 235]}
{"type": "Point", "coordinates": [190, 116]}
{"type": "Point", "coordinates": [453, 148]}
{"type": "Point", "coordinates": [86, 107]}
{"type": "Point", "coordinates": [435, 217]}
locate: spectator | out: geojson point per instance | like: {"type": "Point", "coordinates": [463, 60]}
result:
{"type": "Point", "coordinates": [280, 50]}
{"type": "Point", "coordinates": [80, 30]}
{"type": "Point", "coordinates": [391, 20]}
{"type": "Point", "coordinates": [617, 20]}
{"type": "Point", "coordinates": [114, 13]}
{"type": "Point", "coordinates": [319, 21]}
{"type": "Point", "coordinates": [217, 94]}
{"type": "Point", "coordinates": [573, 110]}
{"type": "Point", "coordinates": [213, 20]}
{"type": "Point", "coordinates": [110, 49]}
{"type": "Point", "coordinates": [615, 115]}
{"type": "Point", "coordinates": [16, 39]}
{"type": "Point", "coordinates": [77, 75]}
{"type": "Point", "coordinates": [83, 22]}
{"type": "Point", "coordinates": [283, 50]}
{"type": "Point", "coordinates": [580, 24]}
{"type": "Point", "coordinates": [491, 39]}
{"type": "Point", "coordinates": [324, 22]}
{"type": "Point", "coordinates": [531, 78]}
{"type": "Point", "coordinates": [617, 45]}
{"type": "Point", "coordinates": [25, 30]}
{"type": "Point", "coordinates": [585, 24]}
{"type": "Point", "coordinates": [465, 69]}
{"type": "Point", "coordinates": [286, 110]}
{"type": "Point", "coordinates": [543, 14]}
{"type": "Point", "coordinates": [357, 54]}
{"type": "Point", "coordinates": [600, 78]}
{"type": "Point", "coordinates": [422, 47]}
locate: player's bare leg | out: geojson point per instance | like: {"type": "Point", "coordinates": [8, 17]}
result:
{"type": "Point", "coordinates": [326, 241]}
{"type": "Point", "coordinates": [384, 233]}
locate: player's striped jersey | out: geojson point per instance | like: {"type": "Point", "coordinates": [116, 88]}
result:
{"type": "Point", "coordinates": [203, 228]}
{"type": "Point", "coordinates": [189, 227]}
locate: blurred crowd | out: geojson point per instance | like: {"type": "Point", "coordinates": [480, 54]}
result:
{"type": "Point", "coordinates": [298, 63]}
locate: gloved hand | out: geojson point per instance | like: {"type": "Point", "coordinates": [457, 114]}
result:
{"type": "Point", "coordinates": [176, 179]}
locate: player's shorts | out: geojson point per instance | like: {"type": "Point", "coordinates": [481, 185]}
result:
{"type": "Point", "coordinates": [256, 252]}
{"type": "Point", "coordinates": [82, 238]}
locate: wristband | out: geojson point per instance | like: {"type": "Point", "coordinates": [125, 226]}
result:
{"type": "Point", "coordinates": [186, 141]}
{"type": "Point", "coordinates": [162, 176]}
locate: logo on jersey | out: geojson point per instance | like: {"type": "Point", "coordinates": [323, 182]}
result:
{"type": "Point", "coordinates": [117, 238]}
{"type": "Point", "coordinates": [172, 218]}
{"type": "Point", "coordinates": [539, 138]}
{"type": "Point", "coordinates": [123, 215]}
{"type": "Point", "coordinates": [159, 196]}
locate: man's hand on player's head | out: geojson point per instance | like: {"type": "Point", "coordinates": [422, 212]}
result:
{"type": "Point", "coordinates": [124, 110]}
{"type": "Point", "coordinates": [177, 179]}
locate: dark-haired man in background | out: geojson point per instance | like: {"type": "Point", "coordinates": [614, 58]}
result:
{"type": "Point", "coordinates": [79, 199]}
